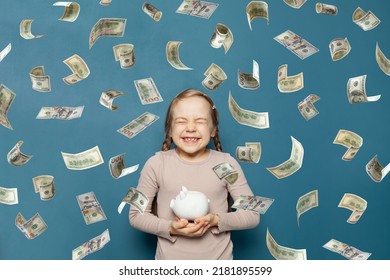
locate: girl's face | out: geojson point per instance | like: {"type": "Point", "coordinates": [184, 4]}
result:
{"type": "Point", "coordinates": [192, 128]}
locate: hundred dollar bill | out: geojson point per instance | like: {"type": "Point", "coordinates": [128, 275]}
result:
{"type": "Point", "coordinates": [9, 196]}
{"type": "Point", "coordinates": [40, 81]}
{"type": "Point", "coordinates": [381, 59]}
{"type": "Point", "coordinates": [247, 117]}
{"type": "Point", "coordinates": [225, 171]}
{"type": "Point", "coordinates": [322, 8]}
{"type": "Point", "coordinates": [339, 48]}
{"type": "Point", "coordinates": [136, 198]}
{"type": "Point", "coordinates": [137, 125]}
{"type": "Point", "coordinates": [173, 57]}
{"type": "Point", "coordinates": [222, 36]}
{"type": "Point", "coordinates": [125, 54]}
{"type": "Point", "coordinates": [107, 98]}
{"type": "Point", "coordinates": [356, 90]}
{"type": "Point", "coordinates": [90, 208]}
{"type": "Point", "coordinates": [256, 9]}
{"type": "Point", "coordinates": [91, 246]}
{"type": "Point", "coordinates": [375, 170]}
{"type": "Point", "coordinates": [215, 76]}
{"type": "Point", "coordinates": [7, 96]}
{"type": "Point", "coordinates": [306, 202]}
{"type": "Point", "coordinates": [295, 3]}
{"type": "Point", "coordinates": [5, 51]}
{"type": "Point", "coordinates": [300, 47]}
{"type": "Point", "coordinates": [16, 157]}
{"type": "Point", "coordinates": [107, 27]}
{"type": "Point", "coordinates": [60, 113]}
{"type": "Point", "coordinates": [366, 21]}
{"type": "Point", "coordinates": [25, 30]}
{"type": "Point", "coordinates": [253, 203]}
{"type": "Point", "coordinates": [348, 139]}
{"type": "Point", "coordinates": [306, 106]}
{"type": "Point", "coordinates": [31, 228]}
{"type": "Point", "coordinates": [345, 250]}
{"type": "Point", "coordinates": [250, 80]}
{"type": "Point", "coordinates": [289, 83]}
{"type": "Point", "coordinates": [118, 168]}
{"type": "Point", "coordinates": [44, 185]}
{"type": "Point", "coordinates": [283, 253]}
{"type": "Point", "coordinates": [79, 68]}
{"type": "Point", "coordinates": [147, 91]}
{"type": "Point", "coordinates": [354, 203]}
{"type": "Point", "coordinates": [84, 160]}
{"type": "Point", "coordinates": [251, 152]}
{"type": "Point", "coordinates": [293, 164]}
{"type": "Point", "coordinates": [200, 9]}
{"type": "Point", "coordinates": [71, 10]}
{"type": "Point", "coordinates": [152, 11]}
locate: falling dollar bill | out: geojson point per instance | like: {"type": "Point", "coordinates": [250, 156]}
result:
{"type": "Point", "coordinates": [5, 51]}
{"type": "Point", "coordinates": [84, 160]}
{"type": "Point", "coordinates": [79, 68]}
{"type": "Point", "coordinates": [215, 76]}
{"type": "Point", "coordinates": [283, 253]}
{"type": "Point", "coordinates": [107, 27]}
{"type": "Point", "coordinates": [375, 170]}
{"type": "Point", "coordinates": [91, 246]}
{"type": "Point", "coordinates": [60, 113]}
{"type": "Point", "coordinates": [348, 139]}
{"type": "Point", "coordinates": [295, 3]}
{"type": "Point", "coordinates": [147, 91]}
{"type": "Point", "coordinates": [306, 106]}
{"type": "Point", "coordinates": [124, 53]}
{"type": "Point", "coordinates": [345, 250]}
{"type": "Point", "coordinates": [251, 152]}
{"type": "Point", "coordinates": [71, 10]}
{"type": "Point", "coordinates": [31, 228]}
{"type": "Point", "coordinates": [356, 90]}
{"type": "Point", "coordinates": [173, 57]}
{"type": "Point", "coordinates": [253, 203]}
{"type": "Point", "coordinates": [136, 198]}
{"type": "Point", "coordinates": [44, 185]}
{"type": "Point", "coordinates": [289, 83]}
{"type": "Point", "coordinates": [354, 203]}
{"type": "Point", "coordinates": [201, 9]}
{"type": "Point", "coordinates": [306, 202]}
{"type": "Point", "coordinates": [250, 80]}
{"type": "Point", "coordinates": [292, 165]}
{"type": "Point", "coordinates": [152, 11]}
{"type": "Point", "coordinates": [339, 48]}
{"type": "Point", "coordinates": [256, 9]}
{"type": "Point", "coordinates": [7, 96]}
{"type": "Point", "coordinates": [365, 21]}
{"type": "Point", "coordinates": [107, 98]}
{"type": "Point", "coordinates": [222, 36]}
{"type": "Point", "coordinates": [225, 171]}
{"type": "Point", "coordinates": [300, 47]}
{"type": "Point", "coordinates": [137, 125]}
{"type": "Point", "coordinates": [327, 9]}
{"type": "Point", "coordinates": [40, 81]}
{"type": "Point", "coordinates": [90, 208]}
{"type": "Point", "coordinates": [105, 2]}
{"type": "Point", "coordinates": [9, 196]}
{"type": "Point", "coordinates": [25, 30]}
{"type": "Point", "coordinates": [382, 60]}
{"type": "Point", "coordinates": [15, 157]}
{"type": "Point", "coordinates": [118, 168]}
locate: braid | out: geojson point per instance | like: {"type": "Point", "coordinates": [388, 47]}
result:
{"type": "Point", "coordinates": [166, 144]}
{"type": "Point", "coordinates": [217, 142]}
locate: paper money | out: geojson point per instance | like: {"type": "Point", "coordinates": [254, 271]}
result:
{"type": "Point", "coordinates": [107, 27]}
{"type": "Point", "coordinates": [31, 228]}
{"type": "Point", "coordinates": [5, 51]}
{"type": "Point", "coordinates": [40, 81]}
{"type": "Point", "coordinates": [9, 196]}
{"type": "Point", "coordinates": [147, 91]}
{"type": "Point", "coordinates": [90, 208]}
{"type": "Point", "coordinates": [215, 76]}
{"type": "Point", "coordinates": [293, 164]}
{"type": "Point", "coordinates": [339, 48]}
{"type": "Point", "coordinates": [375, 170]}
{"type": "Point", "coordinates": [105, 2]}
{"type": "Point", "coordinates": [152, 11]}
{"type": "Point", "coordinates": [44, 185]}
{"type": "Point", "coordinates": [93, 245]}
{"type": "Point", "coordinates": [381, 59]}
{"type": "Point", "coordinates": [253, 203]}
{"type": "Point", "coordinates": [137, 125]}
{"type": "Point", "coordinates": [200, 9]}
{"type": "Point", "coordinates": [354, 203]}
{"type": "Point", "coordinates": [247, 117]}
{"type": "Point", "coordinates": [136, 198]}
{"type": "Point", "coordinates": [118, 168]}
{"type": "Point", "coordinates": [289, 83]}
{"type": "Point", "coordinates": [327, 9]}
{"type": "Point", "coordinates": [345, 250]}
{"type": "Point", "coordinates": [250, 80]}
{"type": "Point", "coordinates": [15, 157]}
{"type": "Point", "coordinates": [222, 36]}
{"type": "Point", "coordinates": [348, 139]}
{"type": "Point", "coordinates": [125, 54]}
{"type": "Point", "coordinates": [107, 98]}
{"type": "Point", "coordinates": [295, 3]}
{"type": "Point", "coordinates": [225, 171]}
{"type": "Point", "coordinates": [84, 160]}
{"type": "Point", "coordinates": [6, 98]}
{"type": "Point", "coordinates": [356, 91]}
{"type": "Point", "coordinates": [306, 202]}
{"type": "Point", "coordinates": [306, 106]}
{"type": "Point", "coordinates": [79, 68]}
{"type": "Point", "coordinates": [251, 152]}
{"type": "Point", "coordinates": [366, 21]}
{"type": "Point", "coordinates": [60, 113]}
{"type": "Point", "coordinates": [300, 47]}
{"type": "Point", "coordinates": [25, 30]}
{"type": "Point", "coordinates": [173, 57]}
{"type": "Point", "coordinates": [256, 9]}
{"type": "Point", "coordinates": [283, 253]}
{"type": "Point", "coordinates": [71, 11]}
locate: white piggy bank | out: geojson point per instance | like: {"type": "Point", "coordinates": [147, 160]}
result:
{"type": "Point", "coordinates": [190, 204]}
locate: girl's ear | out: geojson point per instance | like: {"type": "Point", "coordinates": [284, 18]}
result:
{"type": "Point", "coordinates": [213, 132]}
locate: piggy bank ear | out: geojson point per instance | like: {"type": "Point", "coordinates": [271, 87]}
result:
{"type": "Point", "coordinates": [184, 189]}
{"type": "Point", "coordinates": [182, 195]}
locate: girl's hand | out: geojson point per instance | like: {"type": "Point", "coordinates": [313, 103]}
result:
{"type": "Point", "coordinates": [185, 228]}
{"type": "Point", "coordinates": [211, 219]}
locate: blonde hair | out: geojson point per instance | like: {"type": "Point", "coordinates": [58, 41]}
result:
{"type": "Point", "coordinates": [168, 119]}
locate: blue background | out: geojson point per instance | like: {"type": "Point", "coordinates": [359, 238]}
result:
{"type": "Point", "coordinates": [322, 169]}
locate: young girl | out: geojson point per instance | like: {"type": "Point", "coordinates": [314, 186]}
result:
{"type": "Point", "coordinates": [191, 121]}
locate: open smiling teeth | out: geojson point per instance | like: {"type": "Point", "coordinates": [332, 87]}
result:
{"type": "Point", "coordinates": [190, 139]}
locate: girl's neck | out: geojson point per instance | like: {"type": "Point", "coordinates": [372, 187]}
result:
{"type": "Point", "coordinates": [197, 157]}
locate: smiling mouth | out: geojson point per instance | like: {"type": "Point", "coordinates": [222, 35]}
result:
{"type": "Point", "coordinates": [190, 139]}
